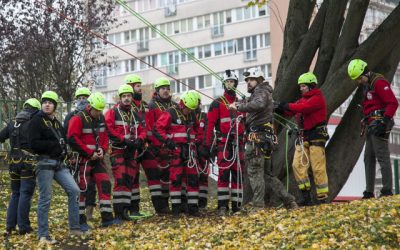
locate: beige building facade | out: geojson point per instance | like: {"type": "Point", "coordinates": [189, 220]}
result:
{"type": "Point", "coordinates": [221, 34]}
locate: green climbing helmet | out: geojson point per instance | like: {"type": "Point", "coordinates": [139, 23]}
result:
{"type": "Point", "coordinates": [356, 68]}
{"type": "Point", "coordinates": [190, 100]}
{"type": "Point", "coordinates": [33, 102]}
{"type": "Point", "coordinates": [82, 91]}
{"type": "Point", "coordinates": [97, 101]}
{"type": "Point", "coordinates": [160, 82]}
{"type": "Point", "coordinates": [51, 95]}
{"type": "Point", "coordinates": [197, 94]}
{"type": "Point", "coordinates": [125, 89]}
{"type": "Point", "coordinates": [129, 79]}
{"type": "Point", "coordinates": [307, 78]}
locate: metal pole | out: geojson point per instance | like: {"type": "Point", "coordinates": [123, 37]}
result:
{"type": "Point", "coordinates": [396, 176]}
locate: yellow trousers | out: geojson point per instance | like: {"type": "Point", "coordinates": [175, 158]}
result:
{"type": "Point", "coordinates": [313, 155]}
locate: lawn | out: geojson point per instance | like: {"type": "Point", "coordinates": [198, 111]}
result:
{"type": "Point", "coordinates": [368, 224]}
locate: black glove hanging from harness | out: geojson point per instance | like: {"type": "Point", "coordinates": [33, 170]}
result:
{"type": "Point", "coordinates": [170, 144]}
{"type": "Point", "coordinates": [381, 127]}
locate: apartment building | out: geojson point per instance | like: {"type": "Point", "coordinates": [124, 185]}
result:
{"type": "Point", "coordinates": [222, 34]}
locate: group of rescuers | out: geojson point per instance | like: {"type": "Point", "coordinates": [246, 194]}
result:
{"type": "Point", "coordinates": [175, 144]}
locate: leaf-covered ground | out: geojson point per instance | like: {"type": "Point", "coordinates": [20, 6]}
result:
{"type": "Point", "coordinates": [370, 224]}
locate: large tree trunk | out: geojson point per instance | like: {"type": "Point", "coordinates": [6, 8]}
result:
{"type": "Point", "coordinates": [334, 54]}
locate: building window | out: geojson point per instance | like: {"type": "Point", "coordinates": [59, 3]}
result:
{"type": "Point", "coordinates": [208, 81]}
{"type": "Point", "coordinates": [200, 23]}
{"type": "Point", "coordinates": [164, 59]}
{"type": "Point", "coordinates": [176, 27]}
{"type": "Point", "coordinates": [229, 47]}
{"type": "Point", "coordinates": [228, 16]}
{"type": "Point", "coordinates": [173, 86]}
{"type": "Point", "coordinates": [207, 51]}
{"type": "Point", "coordinates": [130, 65]}
{"type": "Point", "coordinates": [207, 21]}
{"type": "Point", "coordinates": [262, 11]}
{"type": "Point", "coordinates": [192, 83]}
{"type": "Point", "coordinates": [269, 71]}
{"type": "Point", "coordinates": [183, 85]}
{"type": "Point", "coordinates": [240, 44]}
{"type": "Point", "coordinates": [218, 49]}
{"type": "Point", "coordinates": [154, 33]}
{"type": "Point", "coordinates": [200, 52]}
{"type": "Point", "coordinates": [169, 28]}
{"type": "Point", "coordinates": [163, 28]}
{"type": "Point", "coordinates": [127, 37]}
{"type": "Point", "coordinates": [239, 14]}
{"type": "Point", "coordinates": [190, 24]}
{"type": "Point", "coordinates": [184, 25]}
{"type": "Point", "coordinates": [201, 82]}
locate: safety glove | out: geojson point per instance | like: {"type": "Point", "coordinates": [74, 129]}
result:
{"type": "Point", "coordinates": [281, 107]}
{"type": "Point", "coordinates": [204, 152]}
{"type": "Point", "coordinates": [138, 143]}
{"type": "Point", "coordinates": [129, 143]}
{"type": "Point", "coordinates": [170, 144]}
{"type": "Point", "coordinates": [381, 127]}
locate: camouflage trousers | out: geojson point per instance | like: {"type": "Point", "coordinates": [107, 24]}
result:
{"type": "Point", "coordinates": [260, 174]}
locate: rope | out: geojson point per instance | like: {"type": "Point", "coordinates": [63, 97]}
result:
{"type": "Point", "coordinates": [84, 177]}
{"type": "Point", "coordinates": [300, 141]}
{"type": "Point", "coordinates": [192, 162]}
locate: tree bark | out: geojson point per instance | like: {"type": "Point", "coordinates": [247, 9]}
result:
{"type": "Point", "coordinates": [332, 27]}
{"type": "Point", "coordinates": [287, 89]}
{"type": "Point", "coordinates": [297, 24]}
{"type": "Point", "coordinates": [348, 40]}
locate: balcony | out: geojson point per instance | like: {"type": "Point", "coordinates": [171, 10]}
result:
{"type": "Point", "coordinates": [170, 9]}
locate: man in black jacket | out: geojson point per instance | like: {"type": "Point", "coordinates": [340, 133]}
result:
{"type": "Point", "coordinates": [20, 169]}
{"type": "Point", "coordinates": [47, 139]}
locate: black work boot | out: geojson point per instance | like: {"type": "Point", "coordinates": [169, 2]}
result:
{"type": "Point", "coordinates": [176, 210]}
{"type": "Point", "coordinates": [161, 205]}
{"type": "Point", "coordinates": [368, 195]}
{"type": "Point", "coordinates": [202, 203]}
{"type": "Point", "coordinates": [222, 211]}
{"type": "Point", "coordinates": [193, 210]}
{"type": "Point", "coordinates": [306, 198]}
{"type": "Point", "coordinates": [386, 193]}
{"type": "Point", "coordinates": [125, 214]}
{"type": "Point", "coordinates": [236, 207]}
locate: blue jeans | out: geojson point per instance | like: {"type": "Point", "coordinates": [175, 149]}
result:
{"type": "Point", "coordinates": [22, 188]}
{"type": "Point", "coordinates": [64, 178]}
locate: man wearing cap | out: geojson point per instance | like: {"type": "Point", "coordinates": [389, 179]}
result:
{"type": "Point", "coordinates": [127, 134]}
{"type": "Point", "coordinates": [87, 135]}
{"type": "Point", "coordinates": [47, 139]}
{"type": "Point", "coordinates": [20, 168]}
{"type": "Point", "coordinates": [379, 107]}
